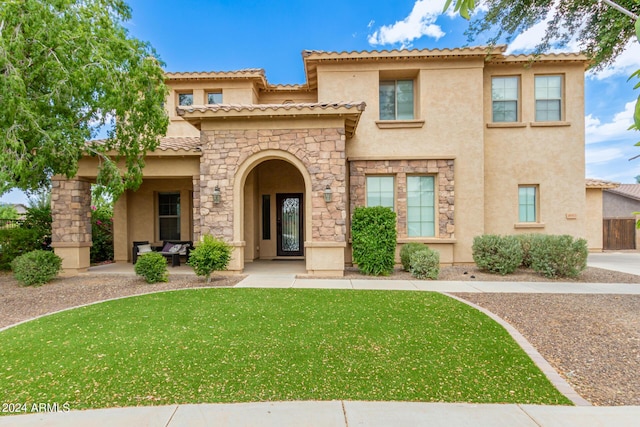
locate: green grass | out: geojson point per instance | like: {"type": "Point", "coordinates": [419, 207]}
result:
{"type": "Point", "coordinates": [238, 345]}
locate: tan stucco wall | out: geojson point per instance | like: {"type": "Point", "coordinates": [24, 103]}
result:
{"type": "Point", "coordinates": [594, 219]}
{"type": "Point", "coordinates": [551, 157]}
{"type": "Point", "coordinates": [452, 128]}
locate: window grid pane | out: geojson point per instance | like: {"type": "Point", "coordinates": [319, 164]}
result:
{"type": "Point", "coordinates": [504, 95]}
{"type": "Point", "coordinates": [527, 204]}
{"type": "Point", "coordinates": [169, 216]}
{"type": "Point", "coordinates": [548, 91]}
{"type": "Point", "coordinates": [380, 191]}
{"type": "Point", "coordinates": [420, 206]}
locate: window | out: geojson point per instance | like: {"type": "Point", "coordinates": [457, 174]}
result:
{"type": "Point", "coordinates": [504, 97]}
{"type": "Point", "coordinates": [396, 100]}
{"type": "Point", "coordinates": [527, 203]}
{"type": "Point", "coordinates": [266, 217]}
{"type": "Point", "coordinates": [420, 206]}
{"type": "Point", "coordinates": [548, 98]}
{"type": "Point", "coordinates": [169, 216]}
{"type": "Point", "coordinates": [214, 98]}
{"type": "Point", "coordinates": [380, 191]}
{"type": "Point", "coordinates": [185, 99]}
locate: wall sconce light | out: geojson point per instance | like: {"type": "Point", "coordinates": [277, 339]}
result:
{"type": "Point", "coordinates": [327, 194]}
{"type": "Point", "coordinates": [216, 195]}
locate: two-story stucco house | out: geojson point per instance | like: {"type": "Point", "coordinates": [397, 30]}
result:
{"type": "Point", "coordinates": [458, 142]}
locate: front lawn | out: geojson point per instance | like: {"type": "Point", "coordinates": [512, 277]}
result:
{"type": "Point", "coordinates": [239, 345]}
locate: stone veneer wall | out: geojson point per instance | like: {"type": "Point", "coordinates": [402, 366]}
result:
{"type": "Point", "coordinates": [322, 151]}
{"type": "Point", "coordinates": [442, 169]}
{"type": "Point", "coordinates": [71, 211]}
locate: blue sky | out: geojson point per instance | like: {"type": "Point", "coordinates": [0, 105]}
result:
{"type": "Point", "coordinates": [199, 35]}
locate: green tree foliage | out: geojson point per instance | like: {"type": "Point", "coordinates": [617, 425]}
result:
{"type": "Point", "coordinates": [8, 212]}
{"type": "Point", "coordinates": [66, 67]}
{"type": "Point", "coordinates": [374, 237]}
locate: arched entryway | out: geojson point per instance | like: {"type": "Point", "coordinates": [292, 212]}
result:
{"type": "Point", "coordinates": [275, 208]}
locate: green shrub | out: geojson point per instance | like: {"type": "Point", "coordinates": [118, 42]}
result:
{"type": "Point", "coordinates": [406, 251]}
{"type": "Point", "coordinates": [497, 254]}
{"type": "Point", "coordinates": [210, 255]}
{"type": "Point", "coordinates": [425, 264]}
{"type": "Point", "coordinates": [526, 240]}
{"type": "Point", "coordinates": [153, 267]}
{"type": "Point", "coordinates": [36, 267]}
{"type": "Point", "coordinates": [373, 232]}
{"type": "Point", "coordinates": [18, 241]}
{"type": "Point", "coordinates": [559, 256]}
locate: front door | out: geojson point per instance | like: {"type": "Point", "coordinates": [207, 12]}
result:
{"type": "Point", "coordinates": [289, 220]}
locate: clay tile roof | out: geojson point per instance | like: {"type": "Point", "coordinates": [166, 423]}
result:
{"type": "Point", "coordinates": [599, 183]}
{"type": "Point", "coordinates": [246, 72]}
{"type": "Point", "coordinates": [404, 53]}
{"type": "Point", "coordinates": [631, 191]}
{"type": "Point", "coordinates": [173, 143]}
{"type": "Point", "coordinates": [357, 106]}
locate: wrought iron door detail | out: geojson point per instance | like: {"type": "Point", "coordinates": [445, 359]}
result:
{"type": "Point", "coordinates": [290, 224]}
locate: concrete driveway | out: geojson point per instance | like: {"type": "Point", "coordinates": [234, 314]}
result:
{"type": "Point", "coordinates": [626, 262]}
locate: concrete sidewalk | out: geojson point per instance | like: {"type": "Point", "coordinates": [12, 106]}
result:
{"type": "Point", "coordinates": [338, 414]}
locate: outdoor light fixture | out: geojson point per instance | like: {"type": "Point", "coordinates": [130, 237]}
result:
{"type": "Point", "coordinates": [216, 195]}
{"type": "Point", "coordinates": [327, 194]}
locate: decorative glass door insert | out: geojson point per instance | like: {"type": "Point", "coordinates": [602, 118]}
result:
{"type": "Point", "coordinates": [289, 219]}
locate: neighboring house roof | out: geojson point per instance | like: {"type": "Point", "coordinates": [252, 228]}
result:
{"type": "Point", "coordinates": [599, 183]}
{"type": "Point", "coordinates": [631, 191]}
{"type": "Point", "coordinates": [350, 111]}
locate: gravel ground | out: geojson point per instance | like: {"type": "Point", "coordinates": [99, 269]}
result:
{"type": "Point", "coordinates": [592, 340]}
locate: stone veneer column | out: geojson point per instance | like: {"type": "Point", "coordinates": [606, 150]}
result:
{"type": "Point", "coordinates": [71, 226]}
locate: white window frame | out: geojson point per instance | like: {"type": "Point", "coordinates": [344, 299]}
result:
{"type": "Point", "coordinates": [375, 193]}
{"type": "Point", "coordinates": [184, 94]}
{"type": "Point", "coordinates": [421, 205]}
{"type": "Point", "coordinates": [396, 114]}
{"type": "Point", "coordinates": [214, 93]}
{"type": "Point", "coordinates": [500, 96]}
{"type": "Point", "coordinates": [548, 97]}
{"type": "Point", "coordinates": [525, 205]}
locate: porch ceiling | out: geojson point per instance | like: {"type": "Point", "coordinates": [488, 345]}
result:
{"type": "Point", "coordinates": [350, 112]}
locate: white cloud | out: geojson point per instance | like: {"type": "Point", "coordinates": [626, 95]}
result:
{"type": "Point", "coordinates": [625, 64]}
{"type": "Point", "coordinates": [615, 130]}
{"type": "Point", "coordinates": [419, 23]}
{"type": "Point", "coordinates": [602, 155]}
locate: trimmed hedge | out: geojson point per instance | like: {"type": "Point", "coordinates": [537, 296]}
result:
{"type": "Point", "coordinates": [425, 264]}
{"type": "Point", "coordinates": [36, 267]}
{"type": "Point", "coordinates": [497, 254]}
{"type": "Point", "coordinates": [153, 267]}
{"type": "Point", "coordinates": [406, 251]}
{"type": "Point", "coordinates": [559, 256]}
{"type": "Point", "coordinates": [373, 232]}
{"type": "Point", "coordinates": [210, 255]}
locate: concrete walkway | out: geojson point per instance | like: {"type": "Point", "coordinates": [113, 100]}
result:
{"type": "Point", "coordinates": [338, 414]}
{"type": "Point", "coordinates": [347, 413]}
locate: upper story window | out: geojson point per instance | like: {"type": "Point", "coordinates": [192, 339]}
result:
{"type": "Point", "coordinates": [185, 99]}
{"type": "Point", "coordinates": [214, 98]}
{"type": "Point", "coordinates": [396, 100]}
{"type": "Point", "coordinates": [505, 92]}
{"type": "Point", "coordinates": [380, 191]}
{"type": "Point", "coordinates": [548, 92]}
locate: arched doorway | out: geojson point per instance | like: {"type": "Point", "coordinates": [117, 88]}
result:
{"type": "Point", "coordinates": [274, 211]}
